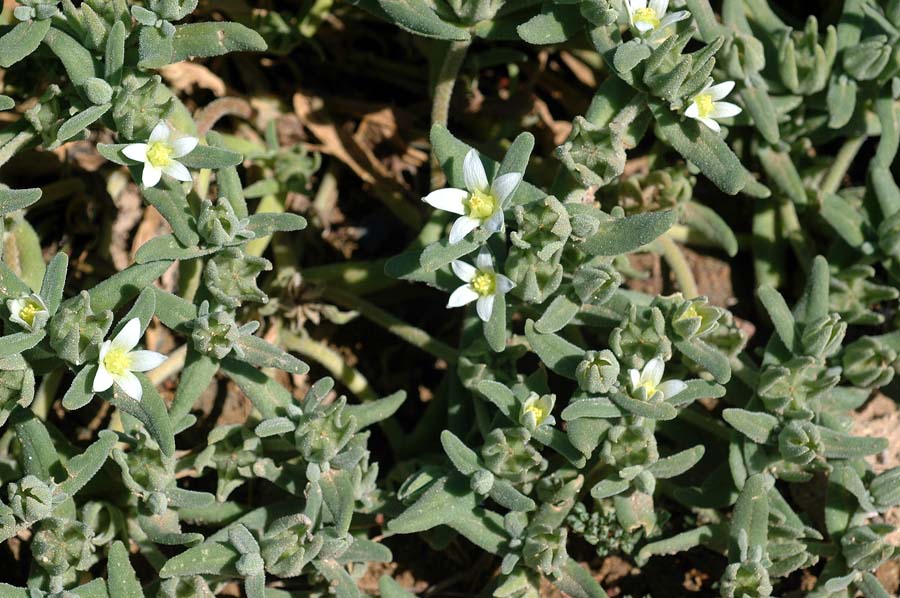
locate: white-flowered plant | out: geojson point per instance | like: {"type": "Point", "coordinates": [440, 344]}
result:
{"type": "Point", "coordinates": [537, 411]}
{"type": "Point", "coordinates": [118, 361]}
{"type": "Point", "coordinates": [647, 384]}
{"type": "Point", "coordinates": [29, 311]}
{"type": "Point", "coordinates": [160, 155]}
{"type": "Point", "coordinates": [707, 107]}
{"type": "Point", "coordinates": [649, 17]}
{"type": "Point", "coordinates": [483, 285]}
{"type": "Point", "coordinates": [480, 204]}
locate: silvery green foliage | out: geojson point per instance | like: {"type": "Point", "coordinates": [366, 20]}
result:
{"type": "Point", "coordinates": [108, 53]}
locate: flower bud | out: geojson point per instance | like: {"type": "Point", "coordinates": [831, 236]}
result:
{"type": "Point", "coordinates": [869, 363]}
{"type": "Point", "coordinates": [545, 549]}
{"type": "Point", "coordinates": [30, 499]}
{"type": "Point", "coordinates": [98, 91]}
{"type": "Point", "coordinates": [864, 547]}
{"type": "Point", "coordinates": [62, 544]}
{"type": "Point", "coordinates": [866, 60]}
{"type": "Point", "coordinates": [230, 277]}
{"type": "Point", "coordinates": [641, 337]}
{"type": "Point", "coordinates": [598, 372]}
{"type": "Point", "coordinates": [822, 337]}
{"type": "Point", "coordinates": [694, 318]}
{"type": "Point", "coordinates": [76, 332]}
{"type": "Point", "coordinates": [219, 226]}
{"type": "Point", "coordinates": [508, 454]}
{"type": "Point", "coordinates": [800, 442]}
{"type": "Point", "coordinates": [596, 285]}
{"type": "Point", "coordinates": [216, 333]}
{"type": "Point", "coordinates": [482, 481]}
{"type": "Point", "coordinates": [289, 544]}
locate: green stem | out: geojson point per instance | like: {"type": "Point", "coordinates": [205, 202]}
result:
{"type": "Point", "coordinates": [46, 393]}
{"type": "Point", "coordinates": [680, 267]}
{"type": "Point", "coordinates": [795, 235]}
{"type": "Point", "coordinates": [443, 92]}
{"type": "Point", "coordinates": [411, 334]}
{"type": "Point", "coordinates": [700, 420]}
{"type": "Point", "coordinates": [832, 181]}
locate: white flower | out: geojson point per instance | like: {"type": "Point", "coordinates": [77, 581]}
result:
{"type": "Point", "coordinates": [646, 18]}
{"type": "Point", "coordinates": [29, 311]}
{"type": "Point", "coordinates": [645, 385]}
{"type": "Point", "coordinates": [159, 155]}
{"type": "Point", "coordinates": [479, 204]}
{"type": "Point", "coordinates": [483, 285]}
{"type": "Point", "coordinates": [706, 105]}
{"type": "Point", "coordinates": [536, 411]}
{"type": "Point", "coordinates": [118, 362]}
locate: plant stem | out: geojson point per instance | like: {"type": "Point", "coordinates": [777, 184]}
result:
{"type": "Point", "coordinates": [700, 420]}
{"type": "Point", "coordinates": [443, 91]}
{"type": "Point", "coordinates": [832, 181]}
{"type": "Point", "coordinates": [411, 334]}
{"type": "Point", "coordinates": [680, 267]}
{"type": "Point", "coordinates": [795, 235]}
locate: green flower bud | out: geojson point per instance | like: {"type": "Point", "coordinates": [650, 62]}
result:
{"type": "Point", "coordinates": [598, 372]}
{"type": "Point", "coordinates": [322, 434]}
{"type": "Point", "coordinates": [288, 545]}
{"type": "Point", "coordinates": [157, 503]}
{"type": "Point", "coordinates": [745, 55]}
{"type": "Point", "coordinates": [219, 226]}
{"type": "Point", "coordinates": [105, 520]}
{"type": "Point", "coordinates": [98, 91]}
{"type": "Point", "coordinates": [192, 586]}
{"type": "Point", "coordinates": [537, 411]}
{"type": "Point", "coordinates": [230, 277]}
{"type": "Point", "coordinates": [788, 389]}
{"type": "Point", "coordinates": [595, 155]}
{"type": "Point", "coordinates": [216, 333]}
{"type": "Point", "coordinates": [545, 549]}
{"type": "Point", "coordinates": [852, 293]}
{"type": "Point", "coordinates": [866, 60]}
{"type": "Point", "coordinates": [803, 63]}
{"type": "Point", "coordinates": [596, 285]}
{"type": "Point", "coordinates": [800, 442]}
{"type": "Point", "coordinates": [869, 363]}
{"type": "Point", "coordinates": [537, 246]}
{"type": "Point", "coordinates": [76, 332]}
{"type": "Point", "coordinates": [62, 544]}
{"type": "Point", "coordinates": [885, 489]}
{"type": "Point", "coordinates": [864, 547]}
{"type": "Point", "coordinates": [629, 446]}
{"type": "Point", "coordinates": [30, 499]}
{"type": "Point", "coordinates": [746, 580]}
{"type": "Point", "coordinates": [16, 385]}
{"type": "Point", "coordinates": [481, 482]}
{"type": "Point", "coordinates": [140, 105]}
{"type": "Point", "coordinates": [172, 10]}
{"type": "Point", "coordinates": [508, 454]}
{"type": "Point", "coordinates": [641, 337]}
{"type": "Point", "coordinates": [250, 564]}
{"type": "Point", "coordinates": [695, 318]}
{"type": "Point", "coordinates": [822, 337]}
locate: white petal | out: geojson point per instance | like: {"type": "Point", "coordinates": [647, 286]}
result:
{"type": "Point", "coordinates": [660, 6]}
{"type": "Point", "coordinates": [144, 361]}
{"type": "Point", "coordinates": [465, 272]}
{"type": "Point", "coordinates": [720, 90]}
{"type": "Point", "coordinates": [635, 378]}
{"type": "Point", "coordinates": [102, 379]}
{"type": "Point", "coordinates": [670, 388]}
{"type": "Point", "coordinates": [643, 26]}
{"type": "Point", "coordinates": [637, 4]}
{"type": "Point", "coordinates": [672, 18]}
{"type": "Point", "coordinates": [462, 296]}
{"type": "Point", "coordinates": [494, 224]}
{"type": "Point", "coordinates": [178, 171]}
{"type": "Point", "coordinates": [462, 227]}
{"type": "Point", "coordinates": [136, 152]}
{"type": "Point", "coordinates": [711, 124]}
{"type": "Point", "coordinates": [485, 307]}
{"type": "Point", "coordinates": [161, 132]}
{"type": "Point", "coordinates": [151, 176]}
{"type": "Point", "coordinates": [504, 284]}
{"type": "Point", "coordinates": [184, 146]}
{"type": "Point", "coordinates": [484, 261]}
{"type": "Point", "coordinates": [130, 385]}
{"type": "Point", "coordinates": [725, 110]}
{"type": "Point", "coordinates": [104, 349]}
{"type": "Point", "coordinates": [653, 371]}
{"type": "Point", "coordinates": [692, 111]}
{"type": "Point", "coordinates": [448, 200]}
{"type": "Point", "coordinates": [473, 173]}
{"type": "Point", "coordinates": [504, 185]}
{"type": "Point", "coordinates": [129, 336]}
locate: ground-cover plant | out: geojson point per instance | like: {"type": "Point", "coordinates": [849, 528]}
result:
{"type": "Point", "coordinates": [568, 413]}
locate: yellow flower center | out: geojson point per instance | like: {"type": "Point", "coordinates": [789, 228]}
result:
{"type": "Point", "coordinates": [484, 283]}
{"type": "Point", "coordinates": [646, 15]}
{"type": "Point", "coordinates": [648, 386]}
{"type": "Point", "coordinates": [29, 311]}
{"type": "Point", "coordinates": [704, 103]}
{"type": "Point", "coordinates": [540, 413]}
{"type": "Point", "coordinates": [481, 205]}
{"type": "Point", "coordinates": [159, 154]}
{"type": "Point", "coordinates": [117, 361]}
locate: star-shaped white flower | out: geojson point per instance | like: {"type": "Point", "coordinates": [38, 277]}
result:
{"type": "Point", "coordinates": [159, 155]}
{"type": "Point", "coordinates": [118, 361]}
{"type": "Point", "coordinates": [480, 204]}
{"type": "Point", "coordinates": [647, 17]}
{"type": "Point", "coordinates": [29, 311]}
{"type": "Point", "coordinates": [705, 106]}
{"type": "Point", "coordinates": [645, 385]}
{"type": "Point", "coordinates": [483, 285]}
